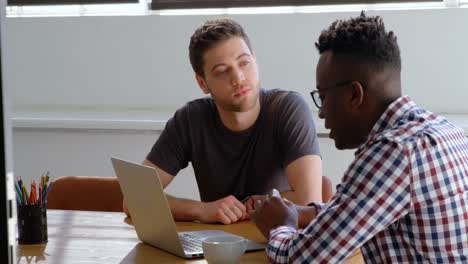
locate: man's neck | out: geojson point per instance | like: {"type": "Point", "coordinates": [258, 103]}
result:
{"type": "Point", "coordinates": [239, 121]}
{"type": "Point", "coordinates": [373, 115]}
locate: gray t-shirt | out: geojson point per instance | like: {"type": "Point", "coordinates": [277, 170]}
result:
{"type": "Point", "coordinates": [249, 162]}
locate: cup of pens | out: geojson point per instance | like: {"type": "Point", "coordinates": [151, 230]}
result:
{"type": "Point", "coordinates": [32, 210]}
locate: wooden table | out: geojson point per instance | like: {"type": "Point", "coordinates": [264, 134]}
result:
{"type": "Point", "coordinates": [103, 237]}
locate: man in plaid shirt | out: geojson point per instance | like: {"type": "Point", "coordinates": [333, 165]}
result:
{"type": "Point", "coordinates": [404, 198]}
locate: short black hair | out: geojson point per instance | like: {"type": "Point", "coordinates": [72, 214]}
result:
{"type": "Point", "coordinates": [208, 35]}
{"type": "Point", "coordinates": [364, 39]}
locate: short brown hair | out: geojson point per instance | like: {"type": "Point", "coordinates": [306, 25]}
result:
{"type": "Point", "coordinates": [209, 34]}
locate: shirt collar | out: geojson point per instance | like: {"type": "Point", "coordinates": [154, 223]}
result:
{"type": "Point", "coordinates": [389, 118]}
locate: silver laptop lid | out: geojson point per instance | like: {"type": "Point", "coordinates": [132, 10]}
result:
{"type": "Point", "coordinates": [147, 204]}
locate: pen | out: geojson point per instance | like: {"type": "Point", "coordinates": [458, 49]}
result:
{"type": "Point", "coordinates": [47, 177]}
{"type": "Point", "coordinates": [47, 192]}
{"type": "Point", "coordinates": [245, 199]}
{"type": "Point", "coordinates": [25, 194]}
{"type": "Point", "coordinates": [18, 191]}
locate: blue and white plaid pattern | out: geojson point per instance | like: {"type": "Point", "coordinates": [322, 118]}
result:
{"type": "Point", "coordinates": [404, 199]}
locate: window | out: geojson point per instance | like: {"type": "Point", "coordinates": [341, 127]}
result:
{"type": "Point", "coordinates": [190, 4]}
{"type": "Point", "coordinates": [40, 8]}
{"type": "Point", "coordinates": [104, 9]}
{"type": "Point", "coordinates": [65, 2]}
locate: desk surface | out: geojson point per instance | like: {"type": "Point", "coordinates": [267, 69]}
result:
{"type": "Point", "coordinates": [103, 237]}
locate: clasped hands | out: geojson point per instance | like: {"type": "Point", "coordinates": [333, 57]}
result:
{"type": "Point", "coordinates": [228, 210]}
{"type": "Point", "coordinates": [266, 211]}
{"type": "Point", "coordinates": [273, 212]}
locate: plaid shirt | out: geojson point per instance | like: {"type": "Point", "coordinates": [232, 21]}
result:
{"type": "Point", "coordinates": [404, 199]}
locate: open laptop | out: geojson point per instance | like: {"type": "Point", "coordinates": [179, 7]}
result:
{"type": "Point", "coordinates": [152, 216]}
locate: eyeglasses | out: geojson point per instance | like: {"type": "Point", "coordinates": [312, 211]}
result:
{"type": "Point", "coordinates": [316, 97]}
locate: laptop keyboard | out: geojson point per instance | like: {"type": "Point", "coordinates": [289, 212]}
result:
{"type": "Point", "coordinates": [191, 243]}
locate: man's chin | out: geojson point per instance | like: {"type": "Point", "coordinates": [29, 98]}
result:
{"type": "Point", "coordinates": [339, 144]}
{"type": "Point", "coordinates": [246, 105]}
{"type": "Point", "coordinates": [339, 147]}
{"type": "Point", "coordinates": [241, 109]}
{"type": "Point", "coordinates": [345, 145]}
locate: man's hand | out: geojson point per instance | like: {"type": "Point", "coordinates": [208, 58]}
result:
{"type": "Point", "coordinates": [274, 212]}
{"type": "Point", "coordinates": [227, 210]}
{"type": "Point", "coordinates": [249, 204]}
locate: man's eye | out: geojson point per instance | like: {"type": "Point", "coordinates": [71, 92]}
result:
{"type": "Point", "coordinates": [220, 72]}
{"type": "Point", "coordinates": [244, 63]}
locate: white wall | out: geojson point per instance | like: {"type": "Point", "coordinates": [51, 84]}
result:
{"type": "Point", "coordinates": [92, 72]}
{"type": "Point", "coordinates": [85, 152]}
{"type": "Point", "coordinates": [141, 62]}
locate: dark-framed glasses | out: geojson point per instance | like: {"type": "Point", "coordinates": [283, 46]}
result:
{"type": "Point", "coordinates": [316, 96]}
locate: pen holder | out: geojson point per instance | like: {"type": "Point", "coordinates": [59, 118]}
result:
{"type": "Point", "coordinates": [32, 224]}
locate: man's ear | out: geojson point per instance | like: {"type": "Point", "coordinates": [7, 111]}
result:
{"type": "Point", "coordinates": [202, 83]}
{"type": "Point", "coordinates": [357, 94]}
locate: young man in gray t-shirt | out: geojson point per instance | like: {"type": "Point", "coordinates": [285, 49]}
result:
{"type": "Point", "coordinates": [242, 141]}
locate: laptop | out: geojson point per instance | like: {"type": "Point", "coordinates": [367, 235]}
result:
{"type": "Point", "coordinates": [151, 215]}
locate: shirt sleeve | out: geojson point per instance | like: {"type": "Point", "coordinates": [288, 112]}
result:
{"type": "Point", "coordinates": [171, 152]}
{"type": "Point", "coordinates": [297, 135]}
{"type": "Point", "coordinates": [374, 193]}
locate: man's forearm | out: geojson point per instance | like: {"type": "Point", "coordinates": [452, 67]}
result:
{"type": "Point", "coordinates": [184, 209]}
{"type": "Point", "coordinates": [301, 199]}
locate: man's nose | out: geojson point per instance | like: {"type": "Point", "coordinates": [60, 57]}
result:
{"type": "Point", "coordinates": [320, 113]}
{"type": "Point", "coordinates": [238, 76]}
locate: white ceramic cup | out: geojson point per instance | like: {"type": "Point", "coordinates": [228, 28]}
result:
{"type": "Point", "coordinates": [224, 249]}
